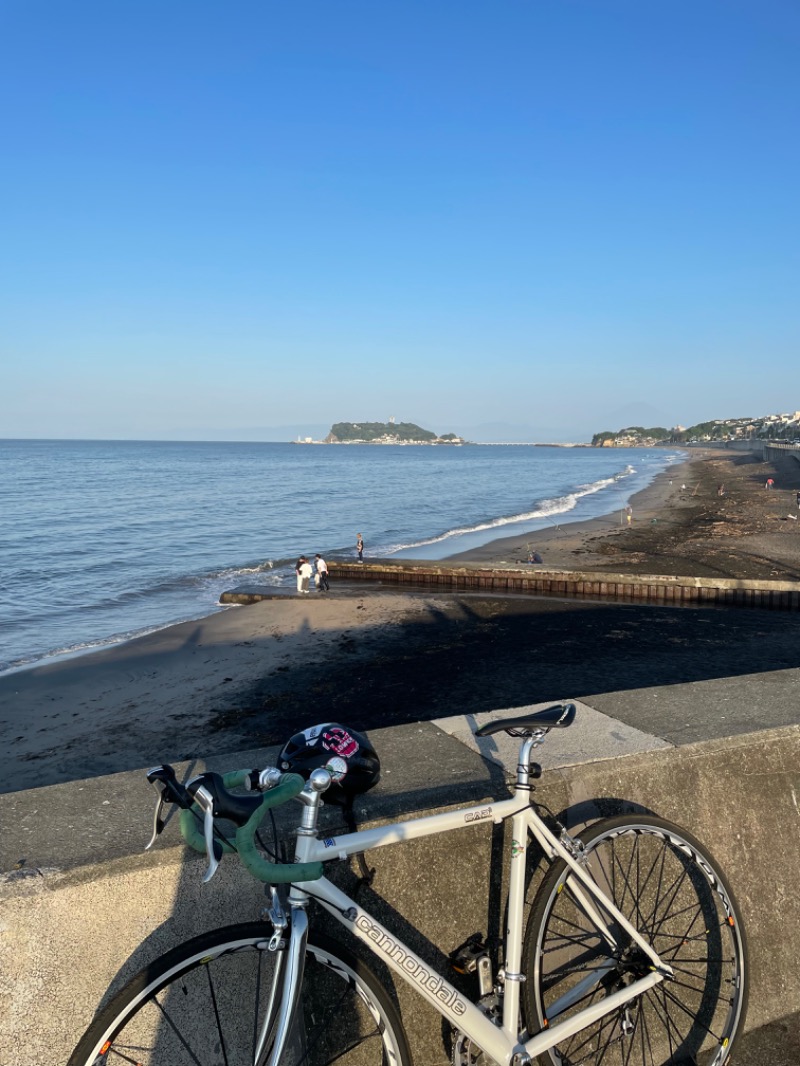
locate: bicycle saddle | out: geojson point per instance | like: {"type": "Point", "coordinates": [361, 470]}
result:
{"type": "Point", "coordinates": [557, 717]}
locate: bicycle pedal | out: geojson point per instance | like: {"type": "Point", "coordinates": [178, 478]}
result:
{"type": "Point", "coordinates": [473, 957]}
{"type": "Point", "coordinates": [464, 959]}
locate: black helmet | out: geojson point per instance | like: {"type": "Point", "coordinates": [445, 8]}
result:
{"type": "Point", "coordinates": [351, 760]}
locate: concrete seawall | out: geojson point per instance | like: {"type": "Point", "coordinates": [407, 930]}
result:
{"type": "Point", "coordinates": [83, 907]}
{"type": "Point", "coordinates": [652, 589]}
{"type": "Point", "coordinates": [766, 451]}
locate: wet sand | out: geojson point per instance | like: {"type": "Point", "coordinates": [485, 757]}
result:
{"type": "Point", "coordinates": [251, 676]}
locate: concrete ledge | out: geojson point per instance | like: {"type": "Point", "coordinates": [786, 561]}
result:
{"type": "Point", "coordinates": [648, 588]}
{"type": "Point", "coordinates": [87, 908]}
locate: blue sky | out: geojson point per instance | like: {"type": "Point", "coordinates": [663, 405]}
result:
{"type": "Point", "coordinates": [554, 217]}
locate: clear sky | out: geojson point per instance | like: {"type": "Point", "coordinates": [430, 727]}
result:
{"type": "Point", "coordinates": [557, 216]}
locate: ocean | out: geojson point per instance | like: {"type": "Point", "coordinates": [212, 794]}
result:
{"type": "Point", "coordinates": [101, 541]}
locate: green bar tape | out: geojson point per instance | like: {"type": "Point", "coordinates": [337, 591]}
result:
{"type": "Point", "coordinates": [262, 869]}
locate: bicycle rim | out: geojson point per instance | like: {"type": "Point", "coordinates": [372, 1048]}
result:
{"type": "Point", "coordinates": [203, 1003]}
{"type": "Point", "coordinates": [671, 891]}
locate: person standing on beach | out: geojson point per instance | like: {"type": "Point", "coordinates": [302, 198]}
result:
{"type": "Point", "coordinates": [798, 499]}
{"type": "Point", "coordinates": [360, 547]}
{"type": "Point", "coordinates": [629, 513]}
{"type": "Point", "coordinates": [305, 576]}
{"type": "Point", "coordinates": [297, 566]}
{"type": "Point", "coordinates": [322, 574]}
{"type": "Point", "coordinates": [769, 483]}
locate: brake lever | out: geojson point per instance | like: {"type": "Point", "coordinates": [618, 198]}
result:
{"type": "Point", "coordinates": [158, 820]}
{"type": "Point", "coordinates": [205, 801]}
{"type": "Point", "coordinates": [161, 778]}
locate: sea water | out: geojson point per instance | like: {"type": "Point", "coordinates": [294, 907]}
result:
{"type": "Point", "coordinates": [104, 540]}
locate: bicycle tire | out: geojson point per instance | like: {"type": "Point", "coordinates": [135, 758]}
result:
{"type": "Point", "coordinates": [177, 1011]}
{"type": "Point", "coordinates": [672, 891]}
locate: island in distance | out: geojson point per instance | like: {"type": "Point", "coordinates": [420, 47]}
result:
{"type": "Point", "coordinates": [783, 428]}
{"type": "Point", "coordinates": [390, 432]}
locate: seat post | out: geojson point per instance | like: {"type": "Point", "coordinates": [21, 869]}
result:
{"type": "Point", "coordinates": [524, 764]}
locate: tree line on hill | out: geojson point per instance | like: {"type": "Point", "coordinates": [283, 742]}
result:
{"type": "Point", "coordinates": [655, 433]}
{"type": "Point", "coordinates": [375, 431]}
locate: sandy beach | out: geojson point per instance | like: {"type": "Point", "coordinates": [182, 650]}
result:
{"type": "Point", "coordinates": [251, 676]}
{"type": "Point", "coordinates": [180, 690]}
{"type": "Point", "coordinates": [681, 524]}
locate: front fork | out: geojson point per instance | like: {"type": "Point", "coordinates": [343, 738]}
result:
{"type": "Point", "coordinates": [286, 988]}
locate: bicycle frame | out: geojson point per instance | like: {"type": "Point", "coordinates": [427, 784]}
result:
{"type": "Point", "coordinates": [504, 1044]}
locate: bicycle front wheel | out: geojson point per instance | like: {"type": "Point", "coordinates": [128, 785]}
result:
{"type": "Point", "coordinates": [203, 1004]}
{"type": "Point", "coordinates": [673, 894]}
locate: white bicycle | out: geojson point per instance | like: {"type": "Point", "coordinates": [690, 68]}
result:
{"type": "Point", "coordinates": [633, 953]}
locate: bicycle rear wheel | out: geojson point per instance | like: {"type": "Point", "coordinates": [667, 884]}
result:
{"type": "Point", "coordinates": [672, 892]}
{"type": "Point", "coordinates": [202, 1004]}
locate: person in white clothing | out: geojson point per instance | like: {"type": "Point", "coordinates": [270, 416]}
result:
{"type": "Point", "coordinates": [304, 575]}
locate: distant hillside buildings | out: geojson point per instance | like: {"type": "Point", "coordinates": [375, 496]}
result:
{"type": "Point", "coordinates": [785, 427]}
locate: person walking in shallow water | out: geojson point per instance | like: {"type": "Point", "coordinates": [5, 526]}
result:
{"type": "Point", "coordinates": [360, 547]}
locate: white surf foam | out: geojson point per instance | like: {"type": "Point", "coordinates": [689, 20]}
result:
{"type": "Point", "coordinates": [544, 509]}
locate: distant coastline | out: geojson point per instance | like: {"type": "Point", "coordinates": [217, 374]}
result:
{"type": "Point", "coordinates": [409, 433]}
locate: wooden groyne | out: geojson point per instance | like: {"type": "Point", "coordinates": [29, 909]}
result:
{"type": "Point", "coordinates": [642, 588]}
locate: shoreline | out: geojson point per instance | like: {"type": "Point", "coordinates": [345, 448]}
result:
{"type": "Point", "coordinates": [682, 525]}
{"type": "Point", "coordinates": [558, 543]}
{"type": "Point", "coordinates": [246, 677]}
{"type": "Point", "coordinates": [602, 543]}
{"type": "Point", "coordinates": [486, 551]}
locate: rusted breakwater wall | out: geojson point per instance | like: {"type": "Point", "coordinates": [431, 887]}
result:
{"type": "Point", "coordinates": [649, 588]}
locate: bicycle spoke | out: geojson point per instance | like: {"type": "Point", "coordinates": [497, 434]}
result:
{"type": "Point", "coordinates": [670, 1025]}
{"type": "Point", "coordinates": [695, 1019]}
{"type": "Point", "coordinates": [332, 1009]}
{"type": "Point", "coordinates": [118, 1054]}
{"type": "Point", "coordinates": [216, 1015]}
{"type": "Point", "coordinates": [209, 1012]}
{"type": "Point", "coordinates": [175, 1030]}
{"type": "Point", "coordinates": [562, 939]}
{"type": "Point", "coordinates": [656, 881]}
{"type": "Point", "coordinates": [582, 1040]}
{"type": "Point", "coordinates": [633, 913]}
